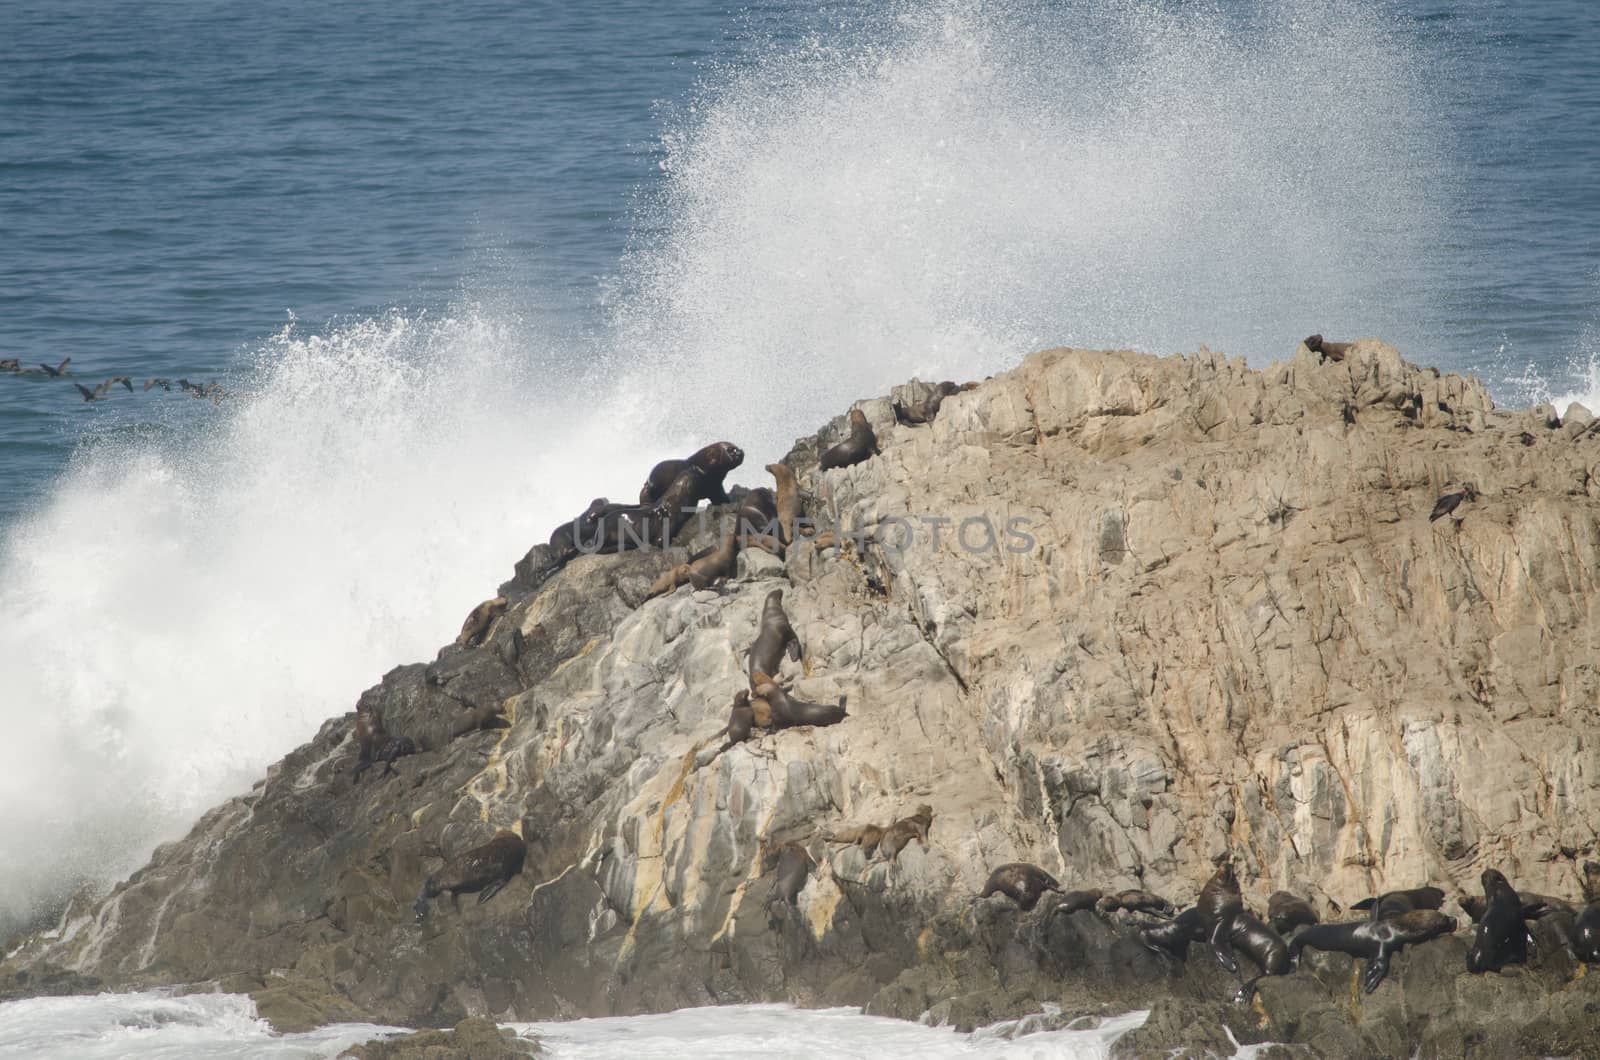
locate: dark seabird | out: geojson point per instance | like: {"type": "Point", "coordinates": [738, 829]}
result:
{"type": "Point", "coordinates": [11, 364]}
{"type": "Point", "coordinates": [60, 369]}
{"type": "Point", "coordinates": [1451, 501]}
{"type": "Point", "coordinates": [97, 394]}
{"type": "Point", "coordinates": [164, 384]}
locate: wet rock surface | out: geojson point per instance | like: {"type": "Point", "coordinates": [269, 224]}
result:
{"type": "Point", "coordinates": [1177, 607]}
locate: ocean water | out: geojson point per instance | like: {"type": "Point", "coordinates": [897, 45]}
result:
{"type": "Point", "coordinates": [159, 1026]}
{"type": "Point", "coordinates": [461, 269]}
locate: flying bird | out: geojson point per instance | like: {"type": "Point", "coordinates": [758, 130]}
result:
{"type": "Point", "coordinates": [60, 369]}
{"type": "Point", "coordinates": [164, 384]}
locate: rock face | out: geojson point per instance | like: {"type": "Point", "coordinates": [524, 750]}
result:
{"type": "Point", "coordinates": [1175, 608]}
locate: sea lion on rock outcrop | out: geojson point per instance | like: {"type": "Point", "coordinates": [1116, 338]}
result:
{"type": "Point", "coordinates": [483, 869]}
{"type": "Point", "coordinates": [794, 867]}
{"type": "Point", "coordinates": [376, 745]}
{"type": "Point", "coordinates": [484, 716]}
{"type": "Point", "coordinates": [741, 719]}
{"type": "Point", "coordinates": [1286, 911]}
{"type": "Point", "coordinates": [1022, 883]}
{"type": "Point", "coordinates": [564, 538]}
{"type": "Point", "coordinates": [710, 465]}
{"type": "Point", "coordinates": [921, 412]}
{"type": "Point", "coordinates": [1393, 903]}
{"type": "Point", "coordinates": [1451, 501]}
{"type": "Point", "coordinates": [1501, 937]}
{"type": "Point", "coordinates": [1327, 351]}
{"type": "Point", "coordinates": [1173, 937]}
{"type": "Point", "coordinates": [1375, 940]}
{"type": "Point", "coordinates": [865, 836]}
{"type": "Point", "coordinates": [621, 527]}
{"type": "Point", "coordinates": [903, 831]}
{"type": "Point", "coordinates": [1219, 902]}
{"type": "Point", "coordinates": [1077, 901]}
{"type": "Point", "coordinates": [1259, 942]}
{"type": "Point", "coordinates": [787, 502]}
{"type": "Point", "coordinates": [1134, 901]}
{"type": "Point", "coordinates": [1586, 930]}
{"type": "Point", "coordinates": [479, 621]}
{"type": "Point", "coordinates": [788, 711]}
{"type": "Point", "coordinates": [709, 570]}
{"type": "Point", "coordinates": [861, 444]}
{"type": "Point", "coordinates": [775, 635]}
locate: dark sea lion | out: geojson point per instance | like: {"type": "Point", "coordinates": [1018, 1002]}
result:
{"type": "Point", "coordinates": [741, 720]}
{"type": "Point", "coordinates": [564, 538]}
{"type": "Point", "coordinates": [788, 711]}
{"type": "Point", "coordinates": [1022, 883]}
{"type": "Point", "coordinates": [1329, 351]}
{"type": "Point", "coordinates": [478, 622]}
{"type": "Point", "coordinates": [861, 444]}
{"type": "Point", "coordinates": [1591, 881]}
{"type": "Point", "coordinates": [1501, 937]}
{"type": "Point", "coordinates": [483, 869]}
{"type": "Point", "coordinates": [58, 370]}
{"type": "Point", "coordinates": [1393, 903]}
{"type": "Point", "coordinates": [787, 502]}
{"type": "Point", "coordinates": [1260, 943]}
{"type": "Point", "coordinates": [1220, 901]}
{"type": "Point", "coordinates": [757, 520]}
{"type": "Point", "coordinates": [1451, 501]}
{"type": "Point", "coordinates": [1534, 906]}
{"type": "Point", "coordinates": [1173, 937]}
{"type": "Point", "coordinates": [774, 636]}
{"type": "Point", "coordinates": [1375, 940]}
{"type": "Point", "coordinates": [865, 836]}
{"type": "Point", "coordinates": [621, 527]}
{"type": "Point", "coordinates": [711, 463]}
{"type": "Point", "coordinates": [1287, 911]}
{"type": "Point", "coordinates": [920, 412]}
{"type": "Point", "coordinates": [1135, 901]}
{"type": "Point", "coordinates": [1586, 934]}
{"type": "Point", "coordinates": [1077, 901]}
{"type": "Point", "coordinates": [794, 867]}
{"type": "Point", "coordinates": [903, 831]}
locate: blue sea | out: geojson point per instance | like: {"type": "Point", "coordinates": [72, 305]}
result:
{"type": "Point", "coordinates": [459, 268]}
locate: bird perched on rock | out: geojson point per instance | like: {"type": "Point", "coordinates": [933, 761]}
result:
{"type": "Point", "coordinates": [1451, 501]}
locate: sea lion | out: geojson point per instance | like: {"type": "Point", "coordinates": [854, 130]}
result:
{"type": "Point", "coordinates": [757, 520]}
{"type": "Point", "coordinates": [710, 466]}
{"type": "Point", "coordinates": [1329, 351]}
{"type": "Point", "coordinates": [1586, 931]}
{"type": "Point", "coordinates": [903, 831]}
{"type": "Point", "coordinates": [1286, 911]}
{"type": "Point", "coordinates": [1134, 901]}
{"type": "Point", "coordinates": [1173, 937]}
{"type": "Point", "coordinates": [564, 538]}
{"type": "Point", "coordinates": [1451, 501]}
{"type": "Point", "coordinates": [794, 867]}
{"type": "Point", "coordinates": [478, 622]}
{"type": "Point", "coordinates": [1259, 942]}
{"type": "Point", "coordinates": [375, 745]}
{"type": "Point", "coordinates": [484, 869]}
{"type": "Point", "coordinates": [741, 719]}
{"type": "Point", "coordinates": [1375, 940]}
{"type": "Point", "coordinates": [1077, 901]}
{"type": "Point", "coordinates": [861, 444]}
{"type": "Point", "coordinates": [1393, 903]}
{"type": "Point", "coordinates": [1220, 901]}
{"type": "Point", "coordinates": [621, 527]}
{"type": "Point", "coordinates": [484, 716]}
{"type": "Point", "coordinates": [1501, 937]}
{"type": "Point", "coordinates": [865, 836]}
{"type": "Point", "coordinates": [1022, 883]}
{"type": "Point", "coordinates": [707, 571]}
{"type": "Point", "coordinates": [1534, 906]}
{"type": "Point", "coordinates": [1591, 881]}
{"type": "Point", "coordinates": [921, 412]}
{"type": "Point", "coordinates": [787, 502]}
{"type": "Point", "coordinates": [788, 711]}
{"type": "Point", "coordinates": [774, 636]}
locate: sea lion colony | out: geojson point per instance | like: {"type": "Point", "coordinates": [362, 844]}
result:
{"type": "Point", "coordinates": [1220, 918]}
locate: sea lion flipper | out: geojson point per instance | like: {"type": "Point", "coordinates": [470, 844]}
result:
{"type": "Point", "coordinates": [490, 891]}
{"type": "Point", "coordinates": [1377, 968]}
{"type": "Point", "coordinates": [794, 648]}
{"type": "Point", "coordinates": [1219, 944]}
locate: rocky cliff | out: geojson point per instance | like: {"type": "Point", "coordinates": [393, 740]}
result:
{"type": "Point", "coordinates": [1180, 607]}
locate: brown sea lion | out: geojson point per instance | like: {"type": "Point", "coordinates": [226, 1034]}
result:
{"type": "Point", "coordinates": [483, 869]}
{"type": "Point", "coordinates": [1393, 903]}
{"type": "Point", "coordinates": [479, 621]}
{"type": "Point", "coordinates": [1501, 937]}
{"type": "Point", "coordinates": [1134, 901]}
{"type": "Point", "coordinates": [484, 716]}
{"type": "Point", "coordinates": [757, 520]}
{"type": "Point", "coordinates": [861, 444]}
{"type": "Point", "coordinates": [921, 412]}
{"type": "Point", "coordinates": [865, 836]}
{"type": "Point", "coordinates": [794, 865]}
{"type": "Point", "coordinates": [710, 466]}
{"type": "Point", "coordinates": [705, 572]}
{"type": "Point", "coordinates": [1021, 882]}
{"type": "Point", "coordinates": [375, 745]}
{"type": "Point", "coordinates": [741, 719]}
{"type": "Point", "coordinates": [774, 636]}
{"type": "Point", "coordinates": [903, 831]}
{"type": "Point", "coordinates": [1329, 351]}
{"type": "Point", "coordinates": [1375, 940]}
{"type": "Point", "coordinates": [787, 502]}
{"type": "Point", "coordinates": [1451, 501]}
{"type": "Point", "coordinates": [1286, 911]}
{"type": "Point", "coordinates": [788, 711]}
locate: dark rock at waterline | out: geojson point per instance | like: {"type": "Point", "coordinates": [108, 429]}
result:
{"type": "Point", "coordinates": [1117, 716]}
{"type": "Point", "coordinates": [473, 1038]}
